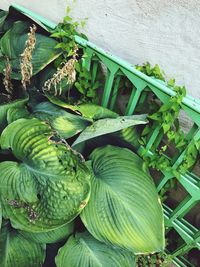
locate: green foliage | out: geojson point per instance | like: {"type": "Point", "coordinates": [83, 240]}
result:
{"type": "Point", "coordinates": [63, 122]}
{"type": "Point", "coordinates": [58, 181]}
{"type": "Point", "coordinates": [84, 250]}
{"type": "Point", "coordinates": [87, 110]}
{"type": "Point", "coordinates": [4, 108]}
{"type": "Point", "coordinates": [158, 259]}
{"type": "Point", "coordinates": [166, 118]}
{"type": "Point", "coordinates": [65, 33]}
{"type": "Point", "coordinates": [151, 71]}
{"type": "Point", "coordinates": [12, 45]}
{"type": "Point", "coordinates": [52, 236]}
{"type": "Point", "coordinates": [106, 126]}
{"type": "Point", "coordinates": [15, 250]}
{"type": "Point", "coordinates": [85, 84]}
{"type": "Point", "coordinates": [117, 212]}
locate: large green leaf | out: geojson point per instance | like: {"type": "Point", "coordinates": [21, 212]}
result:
{"type": "Point", "coordinates": [83, 250]}
{"type": "Point", "coordinates": [129, 135]}
{"type": "Point", "coordinates": [17, 251]}
{"type": "Point", "coordinates": [87, 110]}
{"type": "Point", "coordinates": [0, 215]}
{"type": "Point", "coordinates": [124, 208]}
{"type": "Point", "coordinates": [5, 107]}
{"type": "Point", "coordinates": [65, 123]}
{"type": "Point", "coordinates": [3, 16]}
{"type": "Point", "coordinates": [15, 113]}
{"type": "Point", "coordinates": [52, 236]}
{"type": "Point", "coordinates": [12, 45]}
{"type": "Point", "coordinates": [57, 178]}
{"type": "Point", "coordinates": [106, 126]}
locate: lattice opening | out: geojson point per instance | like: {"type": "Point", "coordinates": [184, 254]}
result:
{"type": "Point", "coordinates": [156, 175]}
{"type": "Point", "coordinates": [102, 74]}
{"type": "Point", "coordinates": [175, 193]}
{"type": "Point", "coordinates": [196, 168]}
{"type": "Point", "coordinates": [193, 256]}
{"type": "Point", "coordinates": [174, 241]}
{"type": "Point", "coordinates": [193, 216]}
{"type": "Point", "coordinates": [124, 93]}
{"type": "Point", "coordinates": [148, 102]}
{"type": "Point", "coordinates": [171, 148]}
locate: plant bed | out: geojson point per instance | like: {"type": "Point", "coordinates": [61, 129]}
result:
{"type": "Point", "coordinates": [74, 191]}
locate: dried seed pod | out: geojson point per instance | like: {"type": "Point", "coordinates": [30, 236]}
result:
{"type": "Point", "coordinates": [7, 78]}
{"type": "Point", "coordinates": [67, 71]}
{"type": "Point", "coordinates": [26, 61]}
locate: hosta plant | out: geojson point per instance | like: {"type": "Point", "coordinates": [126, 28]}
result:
{"type": "Point", "coordinates": [66, 181]}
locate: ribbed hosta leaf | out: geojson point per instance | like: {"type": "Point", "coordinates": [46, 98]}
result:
{"type": "Point", "coordinates": [87, 110]}
{"type": "Point", "coordinates": [58, 179]}
{"type": "Point", "coordinates": [65, 123]}
{"type": "Point", "coordinates": [5, 107]}
{"type": "Point", "coordinates": [15, 113]}
{"type": "Point", "coordinates": [124, 208]}
{"type": "Point", "coordinates": [17, 182]}
{"type": "Point", "coordinates": [3, 15]}
{"type": "Point", "coordinates": [0, 215]}
{"type": "Point", "coordinates": [110, 125]}
{"type": "Point", "coordinates": [85, 251]}
{"type": "Point", "coordinates": [12, 45]}
{"type": "Point", "coordinates": [17, 251]}
{"type": "Point", "coordinates": [129, 135]}
{"type": "Point", "coordinates": [52, 236]}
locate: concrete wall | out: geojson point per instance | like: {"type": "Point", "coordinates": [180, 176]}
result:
{"type": "Point", "coordinates": [166, 32]}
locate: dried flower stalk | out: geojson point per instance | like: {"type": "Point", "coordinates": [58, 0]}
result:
{"type": "Point", "coordinates": [67, 71]}
{"type": "Point", "coordinates": [7, 78]}
{"type": "Point", "coordinates": [26, 62]}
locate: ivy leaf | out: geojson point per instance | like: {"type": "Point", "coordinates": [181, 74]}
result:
{"type": "Point", "coordinates": [171, 82]}
{"type": "Point", "coordinates": [166, 127]}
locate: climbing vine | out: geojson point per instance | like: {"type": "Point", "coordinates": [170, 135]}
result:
{"type": "Point", "coordinates": [166, 118]}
